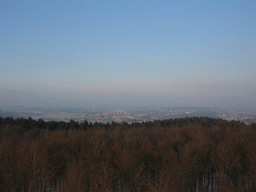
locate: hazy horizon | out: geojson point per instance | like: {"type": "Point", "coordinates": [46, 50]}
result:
{"type": "Point", "coordinates": [128, 53]}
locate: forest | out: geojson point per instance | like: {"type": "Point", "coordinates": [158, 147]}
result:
{"type": "Point", "coordinates": [175, 155]}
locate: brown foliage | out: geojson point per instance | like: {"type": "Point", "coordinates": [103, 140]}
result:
{"type": "Point", "coordinates": [122, 158]}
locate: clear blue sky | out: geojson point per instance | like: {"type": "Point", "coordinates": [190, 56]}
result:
{"type": "Point", "coordinates": [128, 53]}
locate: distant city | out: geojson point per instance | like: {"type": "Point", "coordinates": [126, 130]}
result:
{"type": "Point", "coordinates": [109, 115]}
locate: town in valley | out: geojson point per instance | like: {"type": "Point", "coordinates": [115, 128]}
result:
{"type": "Point", "coordinates": [93, 114]}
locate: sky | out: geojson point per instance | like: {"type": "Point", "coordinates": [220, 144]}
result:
{"type": "Point", "coordinates": [63, 53]}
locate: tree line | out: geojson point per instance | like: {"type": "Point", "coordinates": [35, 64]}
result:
{"type": "Point", "coordinates": [186, 154]}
